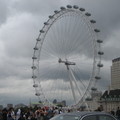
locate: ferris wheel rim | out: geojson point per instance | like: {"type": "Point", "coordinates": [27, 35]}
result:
{"type": "Point", "coordinates": [57, 15]}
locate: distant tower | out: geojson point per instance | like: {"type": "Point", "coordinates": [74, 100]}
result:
{"type": "Point", "coordinates": [115, 73]}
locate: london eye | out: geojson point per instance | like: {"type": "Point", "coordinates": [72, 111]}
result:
{"type": "Point", "coordinates": [67, 54]}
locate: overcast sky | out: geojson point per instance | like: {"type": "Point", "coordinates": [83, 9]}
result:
{"type": "Point", "coordinates": [20, 22]}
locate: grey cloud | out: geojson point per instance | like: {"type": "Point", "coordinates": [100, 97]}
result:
{"type": "Point", "coordinates": [16, 34]}
{"type": "Point", "coordinates": [37, 7]}
{"type": "Point", "coordinates": [22, 20]}
{"type": "Point", "coordinates": [16, 99]}
{"type": "Point", "coordinates": [111, 45]}
{"type": "Point", "coordinates": [105, 12]}
{"type": "Point", "coordinates": [19, 68]}
{"type": "Point", "coordinates": [3, 11]}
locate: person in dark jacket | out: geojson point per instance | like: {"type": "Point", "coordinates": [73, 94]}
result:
{"type": "Point", "coordinates": [4, 114]}
{"type": "Point", "coordinates": [1, 118]}
{"type": "Point", "coordinates": [118, 113]}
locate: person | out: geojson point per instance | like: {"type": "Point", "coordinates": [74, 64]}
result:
{"type": "Point", "coordinates": [4, 114]}
{"type": "Point", "coordinates": [118, 113]}
{"type": "Point", "coordinates": [10, 115]}
{"type": "Point", "coordinates": [33, 117]}
{"type": "Point", "coordinates": [49, 114]}
{"type": "Point", "coordinates": [112, 112]}
{"type": "Point", "coordinates": [56, 111]}
{"type": "Point", "coordinates": [38, 113]}
{"type": "Point", "coordinates": [13, 114]}
{"type": "Point", "coordinates": [1, 118]}
{"type": "Point", "coordinates": [101, 108]}
{"type": "Point", "coordinates": [18, 114]}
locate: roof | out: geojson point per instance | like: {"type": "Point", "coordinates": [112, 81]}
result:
{"type": "Point", "coordinates": [116, 59]}
{"type": "Point", "coordinates": [83, 113]}
{"type": "Point", "coordinates": [112, 93]}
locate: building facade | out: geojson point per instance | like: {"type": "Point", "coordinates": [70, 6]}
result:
{"type": "Point", "coordinates": [94, 103]}
{"type": "Point", "coordinates": [115, 74]}
{"type": "Point", "coordinates": [9, 106]}
{"type": "Point", "coordinates": [110, 100]}
{"type": "Point", "coordinates": [1, 107]}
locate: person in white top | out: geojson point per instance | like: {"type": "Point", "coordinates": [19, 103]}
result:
{"type": "Point", "coordinates": [18, 114]}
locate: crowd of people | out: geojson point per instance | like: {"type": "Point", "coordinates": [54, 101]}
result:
{"type": "Point", "coordinates": [38, 113]}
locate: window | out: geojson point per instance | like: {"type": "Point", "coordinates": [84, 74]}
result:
{"type": "Point", "coordinates": [91, 117]}
{"type": "Point", "coordinates": [65, 117]}
{"type": "Point", "coordinates": [105, 117]}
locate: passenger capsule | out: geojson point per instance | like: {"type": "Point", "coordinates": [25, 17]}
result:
{"type": "Point", "coordinates": [88, 99]}
{"type": "Point", "coordinates": [35, 85]}
{"type": "Point", "coordinates": [69, 6]}
{"type": "Point", "coordinates": [37, 94]}
{"type": "Point", "coordinates": [34, 76]}
{"type": "Point", "coordinates": [75, 7]}
{"type": "Point", "coordinates": [100, 53]}
{"type": "Point", "coordinates": [97, 77]}
{"type": "Point", "coordinates": [100, 65]}
{"type": "Point", "coordinates": [93, 89]}
{"type": "Point", "coordinates": [62, 8]}
{"type": "Point", "coordinates": [38, 39]}
{"type": "Point", "coordinates": [99, 41]}
{"type": "Point", "coordinates": [92, 21]}
{"type": "Point", "coordinates": [46, 23]}
{"type": "Point", "coordinates": [96, 30]}
{"type": "Point", "coordinates": [42, 31]}
{"type": "Point", "coordinates": [56, 11]}
{"type": "Point", "coordinates": [33, 67]}
{"type": "Point", "coordinates": [87, 14]}
{"type": "Point", "coordinates": [34, 57]}
{"type": "Point", "coordinates": [50, 16]}
{"type": "Point", "coordinates": [35, 48]}
{"type": "Point", "coordinates": [82, 9]}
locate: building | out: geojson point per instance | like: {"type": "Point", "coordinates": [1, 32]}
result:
{"type": "Point", "coordinates": [19, 105]}
{"type": "Point", "coordinates": [9, 106]}
{"type": "Point", "coordinates": [115, 74]}
{"type": "Point", "coordinates": [62, 103]}
{"type": "Point", "coordinates": [36, 104]}
{"type": "Point", "coordinates": [111, 100]}
{"type": "Point", "coordinates": [93, 102]}
{"type": "Point", "coordinates": [1, 107]}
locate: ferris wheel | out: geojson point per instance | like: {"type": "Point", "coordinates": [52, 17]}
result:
{"type": "Point", "coordinates": [67, 57]}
